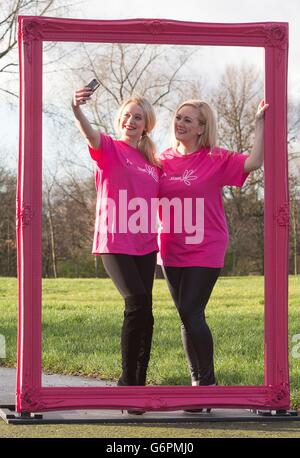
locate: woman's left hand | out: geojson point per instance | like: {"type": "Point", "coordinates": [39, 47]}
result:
{"type": "Point", "coordinates": [262, 107]}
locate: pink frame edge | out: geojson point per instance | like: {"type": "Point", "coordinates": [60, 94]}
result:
{"type": "Point", "coordinates": [31, 396]}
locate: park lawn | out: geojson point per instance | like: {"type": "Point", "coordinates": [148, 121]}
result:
{"type": "Point", "coordinates": [82, 320]}
{"type": "Point", "coordinates": [207, 430]}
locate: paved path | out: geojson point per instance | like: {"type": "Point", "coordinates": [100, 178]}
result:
{"type": "Point", "coordinates": [8, 383]}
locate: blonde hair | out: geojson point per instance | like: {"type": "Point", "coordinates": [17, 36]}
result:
{"type": "Point", "coordinates": [145, 145]}
{"type": "Point", "coordinates": [206, 117]}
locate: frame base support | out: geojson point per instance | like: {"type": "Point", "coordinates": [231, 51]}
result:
{"type": "Point", "coordinates": [10, 416]}
{"type": "Point", "coordinates": [276, 413]}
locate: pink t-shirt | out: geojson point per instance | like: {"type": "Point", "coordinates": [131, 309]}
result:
{"type": "Point", "coordinates": [194, 229]}
{"type": "Point", "coordinates": [125, 184]}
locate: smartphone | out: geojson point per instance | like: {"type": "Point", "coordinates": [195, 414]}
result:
{"type": "Point", "coordinates": [94, 84]}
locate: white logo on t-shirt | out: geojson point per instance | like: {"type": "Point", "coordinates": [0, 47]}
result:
{"type": "Point", "coordinates": [147, 169]}
{"type": "Point", "coordinates": [186, 177]}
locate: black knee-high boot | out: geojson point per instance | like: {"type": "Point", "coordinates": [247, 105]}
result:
{"type": "Point", "coordinates": [145, 347]}
{"type": "Point", "coordinates": [136, 339]}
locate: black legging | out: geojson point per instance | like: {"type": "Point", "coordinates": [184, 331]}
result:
{"type": "Point", "coordinates": [191, 288]}
{"type": "Point", "coordinates": [134, 276]}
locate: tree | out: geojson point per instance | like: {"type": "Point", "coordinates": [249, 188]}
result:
{"type": "Point", "coordinates": [9, 12]}
{"type": "Point", "coordinates": [124, 70]}
{"type": "Point", "coordinates": [293, 125]}
{"type": "Point", "coordinates": [236, 99]}
{"type": "Point", "coordinates": [68, 232]}
{"type": "Point", "coordinates": [294, 189]}
{"type": "Point", "coordinates": [48, 213]}
{"type": "Point", "coordinates": [7, 223]}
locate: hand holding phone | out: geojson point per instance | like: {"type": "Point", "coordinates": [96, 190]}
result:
{"type": "Point", "coordinates": [83, 94]}
{"type": "Point", "coordinates": [94, 84]}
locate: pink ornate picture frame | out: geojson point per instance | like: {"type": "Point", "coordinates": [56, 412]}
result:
{"type": "Point", "coordinates": [31, 396]}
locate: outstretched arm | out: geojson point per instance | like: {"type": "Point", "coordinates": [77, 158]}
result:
{"type": "Point", "coordinates": [91, 135]}
{"type": "Point", "coordinates": [256, 158]}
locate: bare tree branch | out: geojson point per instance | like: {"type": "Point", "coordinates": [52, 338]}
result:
{"type": "Point", "coordinates": [9, 92]}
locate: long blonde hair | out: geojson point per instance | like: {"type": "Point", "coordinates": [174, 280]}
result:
{"type": "Point", "coordinates": [145, 145]}
{"type": "Point", "coordinates": [206, 117]}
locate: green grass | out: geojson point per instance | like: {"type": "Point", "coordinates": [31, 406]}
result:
{"type": "Point", "coordinates": [82, 320]}
{"type": "Point", "coordinates": [179, 430]}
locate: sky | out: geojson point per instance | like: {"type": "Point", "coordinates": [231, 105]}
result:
{"type": "Point", "coordinates": [212, 59]}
